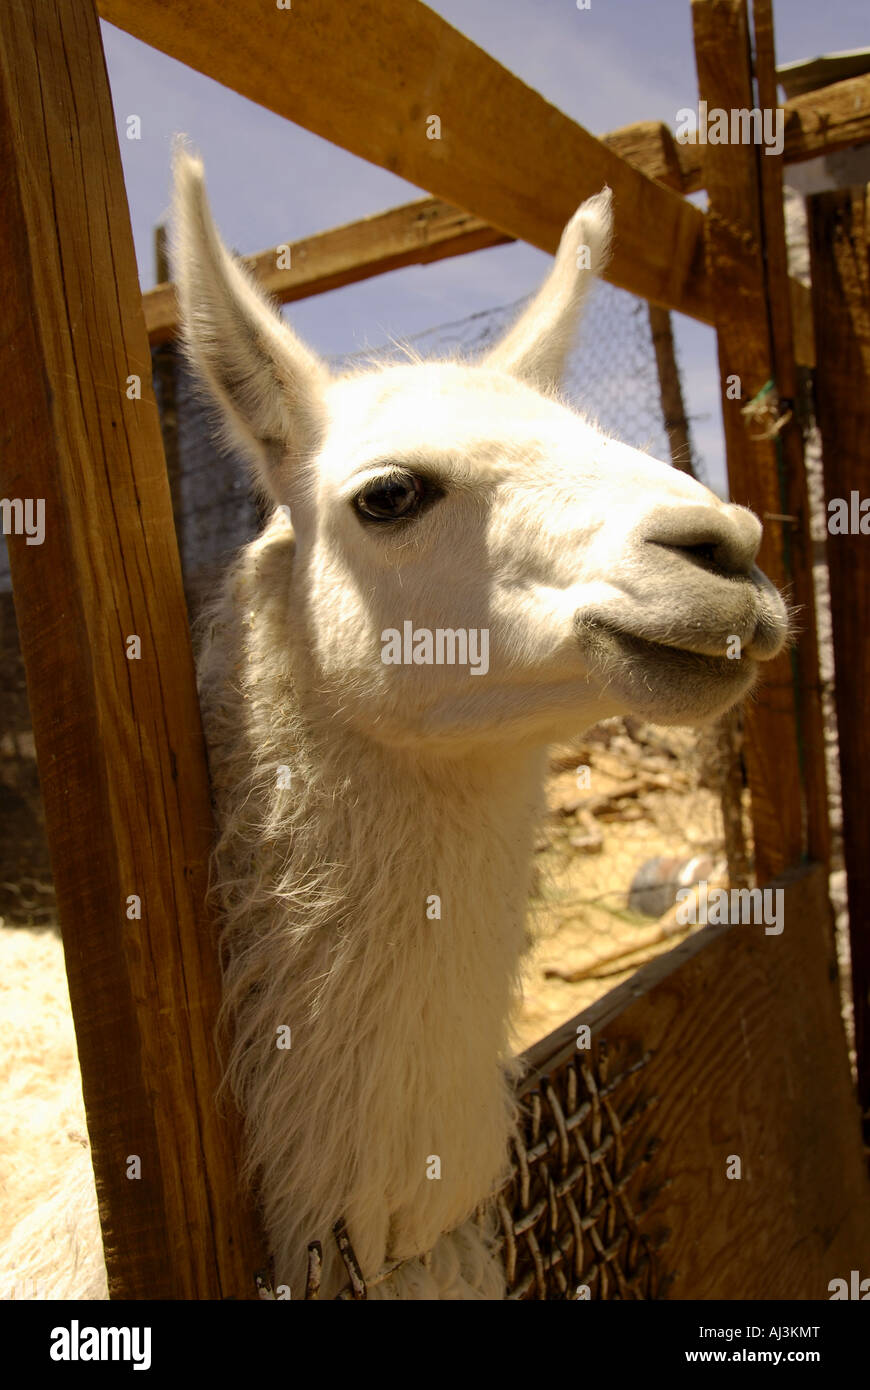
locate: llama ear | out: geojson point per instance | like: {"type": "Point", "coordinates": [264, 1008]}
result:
{"type": "Point", "coordinates": [537, 346]}
{"type": "Point", "coordinates": [267, 383]}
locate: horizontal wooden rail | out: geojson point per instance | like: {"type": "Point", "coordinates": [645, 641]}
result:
{"type": "Point", "coordinates": [834, 118]}
{"type": "Point", "coordinates": [413, 234]}
{"type": "Point", "coordinates": [831, 119]}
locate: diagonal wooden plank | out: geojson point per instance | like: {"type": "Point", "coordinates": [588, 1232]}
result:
{"type": "Point", "coordinates": [371, 77]}
{"type": "Point", "coordinates": [747, 1058]}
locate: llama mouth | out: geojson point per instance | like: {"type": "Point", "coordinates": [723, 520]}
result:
{"type": "Point", "coordinates": [665, 683]}
{"type": "Point", "coordinates": [605, 641]}
{"type": "Point", "coordinates": [756, 630]}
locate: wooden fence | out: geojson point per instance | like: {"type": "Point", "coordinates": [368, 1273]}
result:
{"type": "Point", "coordinates": [747, 1050]}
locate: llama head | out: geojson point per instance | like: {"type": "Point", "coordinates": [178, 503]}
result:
{"type": "Point", "coordinates": [459, 557]}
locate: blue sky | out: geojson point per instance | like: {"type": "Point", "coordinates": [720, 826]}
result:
{"type": "Point", "coordinates": [270, 181]}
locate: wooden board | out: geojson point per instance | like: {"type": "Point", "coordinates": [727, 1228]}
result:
{"type": "Point", "coordinates": [650, 146]}
{"type": "Point", "coordinates": [748, 1058]}
{"type": "Point", "coordinates": [798, 548]}
{"type": "Point", "coordinates": [834, 118]}
{"type": "Point", "coordinates": [816, 123]}
{"type": "Point", "coordinates": [369, 76]}
{"type": "Point", "coordinates": [782, 720]}
{"type": "Point", "coordinates": [429, 229]}
{"type": "Point", "coordinates": [415, 234]}
{"type": "Point", "coordinates": [839, 234]}
{"type": "Point", "coordinates": [119, 742]}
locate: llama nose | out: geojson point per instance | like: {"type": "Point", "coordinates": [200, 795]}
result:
{"type": "Point", "coordinates": [723, 539]}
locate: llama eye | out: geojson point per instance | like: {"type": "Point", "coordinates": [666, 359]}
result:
{"type": "Point", "coordinates": [388, 499]}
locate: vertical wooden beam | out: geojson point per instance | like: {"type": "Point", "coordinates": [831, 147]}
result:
{"type": "Point", "coordinates": [670, 390]}
{"type": "Point", "coordinates": [840, 251]}
{"type": "Point", "coordinates": [119, 742]}
{"type": "Point", "coordinates": [783, 720]}
{"type": "Point", "coordinates": [794, 492]}
{"type": "Point", "coordinates": [728, 755]}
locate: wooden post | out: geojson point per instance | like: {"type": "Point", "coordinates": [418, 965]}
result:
{"type": "Point", "coordinates": [746, 262]}
{"type": "Point", "coordinates": [798, 543]}
{"type": "Point", "coordinates": [118, 736]}
{"type": "Point", "coordinates": [840, 251]}
{"type": "Point", "coordinates": [670, 391]}
{"type": "Point", "coordinates": [729, 729]}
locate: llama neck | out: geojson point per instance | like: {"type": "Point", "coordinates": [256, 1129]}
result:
{"type": "Point", "coordinates": [374, 904]}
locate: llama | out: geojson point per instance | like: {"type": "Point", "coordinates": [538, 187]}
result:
{"type": "Point", "coordinates": [376, 815]}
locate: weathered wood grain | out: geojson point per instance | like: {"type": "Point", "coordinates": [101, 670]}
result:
{"type": "Point", "coordinates": [840, 251]}
{"type": "Point", "coordinates": [798, 545]}
{"type": "Point", "coordinates": [775, 741]}
{"type": "Point", "coordinates": [834, 118]}
{"type": "Point", "coordinates": [119, 742]}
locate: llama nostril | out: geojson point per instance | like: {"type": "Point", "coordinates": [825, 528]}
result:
{"type": "Point", "coordinates": [705, 552]}
{"type": "Point", "coordinates": [724, 541]}
{"type": "Point", "coordinates": [712, 556]}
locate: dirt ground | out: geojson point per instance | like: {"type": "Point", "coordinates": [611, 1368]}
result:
{"type": "Point", "coordinates": [648, 801]}
{"type": "Point", "coordinates": [42, 1119]}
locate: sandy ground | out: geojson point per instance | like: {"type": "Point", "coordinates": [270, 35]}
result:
{"type": "Point", "coordinates": [46, 1179]}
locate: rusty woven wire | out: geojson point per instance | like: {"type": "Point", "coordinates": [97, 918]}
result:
{"type": "Point", "coordinates": [571, 1213]}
